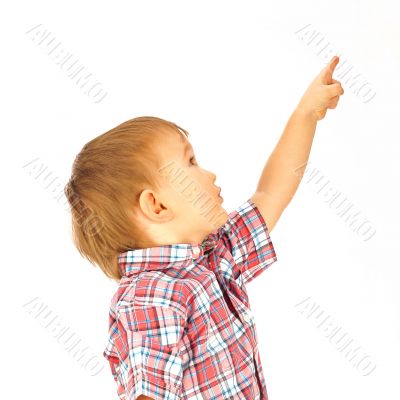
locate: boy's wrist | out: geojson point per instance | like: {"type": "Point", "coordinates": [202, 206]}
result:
{"type": "Point", "coordinates": [306, 113]}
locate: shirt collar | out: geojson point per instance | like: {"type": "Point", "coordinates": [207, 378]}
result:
{"type": "Point", "coordinates": [134, 261]}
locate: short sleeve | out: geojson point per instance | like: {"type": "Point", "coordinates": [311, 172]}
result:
{"type": "Point", "coordinates": [144, 351]}
{"type": "Point", "coordinates": [247, 238]}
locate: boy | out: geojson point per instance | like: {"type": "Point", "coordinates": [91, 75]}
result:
{"type": "Point", "coordinates": [180, 322]}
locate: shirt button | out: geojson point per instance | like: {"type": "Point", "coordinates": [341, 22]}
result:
{"type": "Point", "coordinates": [246, 317]}
{"type": "Point", "coordinates": [196, 251]}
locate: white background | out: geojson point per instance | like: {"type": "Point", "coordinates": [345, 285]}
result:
{"type": "Point", "coordinates": [230, 73]}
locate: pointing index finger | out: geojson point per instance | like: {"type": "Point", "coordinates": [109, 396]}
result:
{"type": "Point", "coordinates": [333, 63]}
{"type": "Point", "coordinates": [326, 73]}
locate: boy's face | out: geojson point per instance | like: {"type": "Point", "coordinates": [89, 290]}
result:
{"type": "Point", "coordinates": [189, 207]}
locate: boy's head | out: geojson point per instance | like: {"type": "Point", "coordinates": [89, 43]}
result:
{"type": "Point", "coordinates": [136, 186]}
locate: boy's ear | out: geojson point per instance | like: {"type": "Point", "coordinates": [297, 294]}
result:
{"type": "Point", "coordinates": [152, 207]}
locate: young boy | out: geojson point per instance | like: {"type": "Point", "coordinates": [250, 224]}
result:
{"type": "Point", "coordinates": [144, 211]}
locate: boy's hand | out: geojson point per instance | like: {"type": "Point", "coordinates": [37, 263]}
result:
{"type": "Point", "coordinates": [323, 93]}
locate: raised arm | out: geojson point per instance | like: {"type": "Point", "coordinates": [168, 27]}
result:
{"type": "Point", "coordinates": [284, 168]}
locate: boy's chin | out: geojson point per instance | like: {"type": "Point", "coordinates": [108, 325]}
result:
{"type": "Point", "coordinates": [220, 219]}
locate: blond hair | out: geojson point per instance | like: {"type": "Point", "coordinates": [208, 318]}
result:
{"type": "Point", "coordinates": [107, 177]}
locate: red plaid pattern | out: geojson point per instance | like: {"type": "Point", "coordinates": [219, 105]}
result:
{"type": "Point", "coordinates": [180, 322]}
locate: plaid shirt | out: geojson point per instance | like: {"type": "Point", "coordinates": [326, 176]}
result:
{"type": "Point", "coordinates": [180, 323]}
